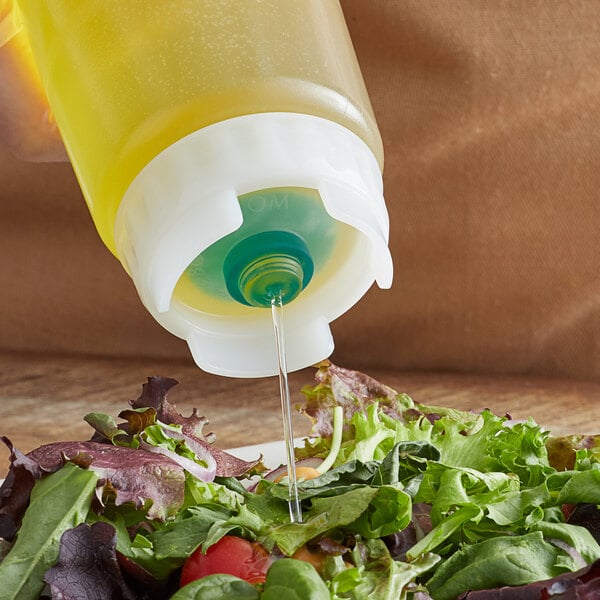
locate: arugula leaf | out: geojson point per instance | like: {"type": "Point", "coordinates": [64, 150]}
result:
{"type": "Point", "coordinates": [58, 502]}
{"type": "Point", "coordinates": [179, 538]}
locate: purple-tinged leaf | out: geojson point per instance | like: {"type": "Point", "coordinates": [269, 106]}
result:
{"type": "Point", "coordinates": [16, 488]}
{"type": "Point", "coordinates": [197, 470]}
{"type": "Point", "coordinates": [354, 391]}
{"type": "Point", "coordinates": [154, 395]}
{"type": "Point", "coordinates": [87, 566]}
{"type": "Point", "coordinates": [138, 420]}
{"type": "Point", "coordinates": [136, 476]}
{"type": "Point", "coordinates": [562, 449]}
{"type": "Point", "coordinates": [588, 516]}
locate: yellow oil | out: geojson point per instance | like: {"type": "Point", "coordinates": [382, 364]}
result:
{"type": "Point", "coordinates": [126, 79]}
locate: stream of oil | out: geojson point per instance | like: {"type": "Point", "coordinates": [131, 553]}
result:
{"type": "Point", "coordinates": [286, 410]}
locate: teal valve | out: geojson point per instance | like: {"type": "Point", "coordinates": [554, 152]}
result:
{"type": "Point", "coordinates": [268, 265]}
{"type": "Point", "coordinates": [286, 238]}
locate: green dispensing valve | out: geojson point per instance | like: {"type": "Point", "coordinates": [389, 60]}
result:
{"type": "Point", "coordinates": [285, 240]}
{"type": "Point", "coordinates": [268, 265]}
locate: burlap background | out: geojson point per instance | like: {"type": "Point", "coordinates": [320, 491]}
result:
{"type": "Point", "coordinates": [489, 112]}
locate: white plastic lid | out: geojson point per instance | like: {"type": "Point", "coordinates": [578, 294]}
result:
{"type": "Point", "coordinates": [186, 199]}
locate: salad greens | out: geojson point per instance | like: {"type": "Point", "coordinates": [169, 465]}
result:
{"type": "Point", "coordinates": [58, 503]}
{"type": "Point", "coordinates": [411, 502]}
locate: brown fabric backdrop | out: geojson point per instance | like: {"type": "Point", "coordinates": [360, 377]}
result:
{"type": "Point", "coordinates": [489, 112]}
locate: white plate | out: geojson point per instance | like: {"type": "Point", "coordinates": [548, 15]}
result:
{"type": "Point", "coordinates": [273, 452]}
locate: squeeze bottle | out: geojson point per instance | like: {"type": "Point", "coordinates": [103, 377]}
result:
{"type": "Point", "coordinates": [228, 152]}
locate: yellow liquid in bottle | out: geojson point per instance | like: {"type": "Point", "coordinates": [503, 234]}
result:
{"type": "Point", "coordinates": [126, 79]}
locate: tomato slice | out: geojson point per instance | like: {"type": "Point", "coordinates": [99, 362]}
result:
{"type": "Point", "coordinates": [231, 555]}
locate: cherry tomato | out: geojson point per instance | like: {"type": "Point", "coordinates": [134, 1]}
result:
{"type": "Point", "coordinates": [231, 555]}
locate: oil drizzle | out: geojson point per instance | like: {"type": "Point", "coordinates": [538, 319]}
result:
{"type": "Point", "coordinates": [286, 410]}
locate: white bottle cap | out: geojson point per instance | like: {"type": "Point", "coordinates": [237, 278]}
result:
{"type": "Point", "coordinates": [186, 199]}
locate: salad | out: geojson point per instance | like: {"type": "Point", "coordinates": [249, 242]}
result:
{"type": "Point", "coordinates": [400, 501]}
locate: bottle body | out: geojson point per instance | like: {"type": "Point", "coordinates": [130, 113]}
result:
{"type": "Point", "coordinates": [128, 79]}
{"type": "Point", "coordinates": [228, 154]}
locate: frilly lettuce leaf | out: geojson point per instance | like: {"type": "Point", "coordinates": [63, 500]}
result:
{"type": "Point", "coordinates": [376, 575]}
{"type": "Point", "coordinates": [154, 395]}
{"type": "Point", "coordinates": [354, 391]}
{"type": "Point", "coordinates": [421, 499]}
{"type": "Point", "coordinates": [524, 448]}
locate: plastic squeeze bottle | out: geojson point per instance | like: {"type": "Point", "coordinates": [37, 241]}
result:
{"type": "Point", "coordinates": [227, 151]}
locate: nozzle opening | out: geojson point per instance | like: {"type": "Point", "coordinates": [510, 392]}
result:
{"type": "Point", "coordinates": [268, 265]}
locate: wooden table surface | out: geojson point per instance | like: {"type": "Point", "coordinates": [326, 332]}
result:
{"type": "Point", "coordinates": [44, 398]}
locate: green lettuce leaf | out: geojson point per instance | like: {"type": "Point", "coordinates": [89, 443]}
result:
{"type": "Point", "coordinates": [217, 587]}
{"type": "Point", "coordinates": [496, 562]}
{"type": "Point", "coordinates": [59, 502]}
{"type": "Point", "coordinates": [369, 511]}
{"type": "Point", "coordinates": [219, 511]}
{"type": "Point", "coordinates": [577, 487]}
{"type": "Point", "coordinates": [377, 576]}
{"type": "Point", "coordinates": [294, 580]}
